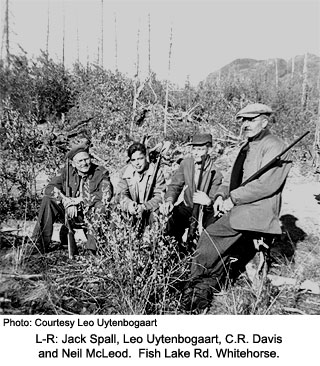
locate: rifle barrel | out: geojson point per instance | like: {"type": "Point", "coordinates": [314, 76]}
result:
{"type": "Point", "coordinates": [72, 246]}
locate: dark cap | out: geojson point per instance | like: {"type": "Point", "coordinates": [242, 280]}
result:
{"type": "Point", "coordinates": [201, 139]}
{"type": "Point", "coordinates": [77, 149]}
{"type": "Point", "coordinates": [254, 110]}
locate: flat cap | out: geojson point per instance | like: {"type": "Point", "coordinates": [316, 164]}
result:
{"type": "Point", "coordinates": [77, 149]}
{"type": "Point", "coordinates": [201, 139]}
{"type": "Point", "coordinates": [254, 110]}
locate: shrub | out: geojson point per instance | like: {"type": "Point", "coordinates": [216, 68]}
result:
{"type": "Point", "coordinates": [146, 272]}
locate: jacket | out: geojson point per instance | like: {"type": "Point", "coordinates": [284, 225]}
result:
{"type": "Point", "coordinates": [184, 176]}
{"type": "Point", "coordinates": [100, 189]}
{"type": "Point", "coordinates": [126, 188]}
{"type": "Point", "coordinates": [257, 204]}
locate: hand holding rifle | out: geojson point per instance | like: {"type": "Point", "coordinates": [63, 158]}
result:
{"type": "Point", "coordinates": [69, 203]}
{"type": "Point", "coordinates": [166, 208]}
{"type": "Point", "coordinates": [200, 198]}
{"type": "Point", "coordinates": [136, 209]}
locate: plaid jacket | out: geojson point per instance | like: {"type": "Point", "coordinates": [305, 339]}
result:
{"type": "Point", "coordinates": [97, 187]}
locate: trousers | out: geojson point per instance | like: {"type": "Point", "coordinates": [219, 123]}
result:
{"type": "Point", "coordinates": [50, 212]}
{"type": "Point", "coordinates": [217, 245]}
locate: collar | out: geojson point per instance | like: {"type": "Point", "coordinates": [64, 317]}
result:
{"type": "Point", "coordinates": [206, 165]}
{"type": "Point", "coordinates": [131, 173]}
{"type": "Point", "coordinates": [90, 174]}
{"type": "Point", "coordinates": [260, 135]}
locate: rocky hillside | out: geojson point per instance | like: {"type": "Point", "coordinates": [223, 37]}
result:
{"type": "Point", "coordinates": [265, 69]}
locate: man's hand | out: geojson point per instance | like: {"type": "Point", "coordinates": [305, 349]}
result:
{"type": "Point", "coordinates": [71, 201]}
{"type": "Point", "coordinates": [218, 207]}
{"type": "Point", "coordinates": [227, 205]}
{"type": "Point", "coordinates": [221, 206]}
{"type": "Point", "coordinates": [201, 198]}
{"type": "Point", "coordinates": [140, 209]}
{"type": "Point", "coordinates": [136, 209]}
{"type": "Point", "coordinates": [132, 207]}
{"type": "Point", "coordinates": [166, 208]}
{"type": "Point", "coordinates": [72, 211]}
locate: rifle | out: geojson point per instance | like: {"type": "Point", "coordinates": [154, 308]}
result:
{"type": "Point", "coordinates": [272, 161]}
{"type": "Point", "coordinates": [72, 246]}
{"type": "Point", "coordinates": [142, 223]}
{"type": "Point", "coordinates": [196, 207]}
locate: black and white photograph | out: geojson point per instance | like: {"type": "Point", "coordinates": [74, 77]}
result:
{"type": "Point", "coordinates": [159, 158]}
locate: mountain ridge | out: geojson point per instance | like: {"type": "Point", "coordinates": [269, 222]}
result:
{"type": "Point", "coordinates": [249, 67]}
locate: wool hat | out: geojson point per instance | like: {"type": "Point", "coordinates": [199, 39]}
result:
{"type": "Point", "coordinates": [254, 110]}
{"type": "Point", "coordinates": [201, 139]}
{"type": "Point", "coordinates": [77, 149]}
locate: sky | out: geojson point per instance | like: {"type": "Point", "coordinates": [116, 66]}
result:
{"type": "Point", "coordinates": [206, 35]}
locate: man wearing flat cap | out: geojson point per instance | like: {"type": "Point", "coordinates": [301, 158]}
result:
{"type": "Point", "coordinates": [186, 179]}
{"type": "Point", "coordinates": [90, 191]}
{"type": "Point", "coordinates": [247, 211]}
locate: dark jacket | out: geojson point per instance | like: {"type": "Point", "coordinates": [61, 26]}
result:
{"type": "Point", "coordinates": [100, 187]}
{"type": "Point", "coordinates": [184, 176]}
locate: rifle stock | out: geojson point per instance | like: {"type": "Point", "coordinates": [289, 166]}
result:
{"type": "Point", "coordinates": [72, 246]}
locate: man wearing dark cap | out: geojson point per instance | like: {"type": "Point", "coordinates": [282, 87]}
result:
{"type": "Point", "coordinates": [247, 211]}
{"type": "Point", "coordinates": [186, 179]}
{"type": "Point", "coordinates": [90, 191]}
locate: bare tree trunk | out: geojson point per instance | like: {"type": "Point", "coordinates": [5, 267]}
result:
{"type": "Point", "coordinates": [277, 74]}
{"type": "Point", "coordinates": [63, 35]}
{"type": "Point", "coordinates": [48, 29]}
{"type": "Point", "coordinates": [188, 89]}
{"type": "Point", "coordinates": [135, 85]}
{"type": "Point", "coordinates": [78, 39]}
{"type": "Point", "coordinates": [167, 87]}
{"type": "Point", "coordinates": [316, 145]}
{"type": "Point", "coordinates": [304, 96]}
{"type": "Point", "coordinates": [78, 46]}
{"type": "Point", "coordinates": [116, 41]}
{"type": "Point", "coordinates": [6, 36]}
{"type": "Point", "coordinates": [292, 66]}
{"type": "Point", "coordinates": [149, 43]}
{"type": "Point", "coordinates": [138, 53]}
{"type": "Point", "coordinates": [101, 47]}
{"type": "Point", "coordinates": [88, 59]}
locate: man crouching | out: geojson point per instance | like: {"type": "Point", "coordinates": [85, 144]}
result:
{"type": "Point", "coordinates": [136, 179]}
{"type": "Point", "coordinates": [89, 191]}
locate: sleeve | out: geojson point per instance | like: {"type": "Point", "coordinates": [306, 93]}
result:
{"type": "Point", "coordinates": [106, 189]}
{"type": "Point", "coordinates": [176, 185]}
{"type": "Point", "coordinates": [268, 183]}
{"type": "Point", "coordinates": [122, 196]}
{"type": "Point", "coordinates": [158, 191]}
{"type": "Point", "coordinates": [56, 182]}
{"type": "Point", "coordinates": [103, 193]}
